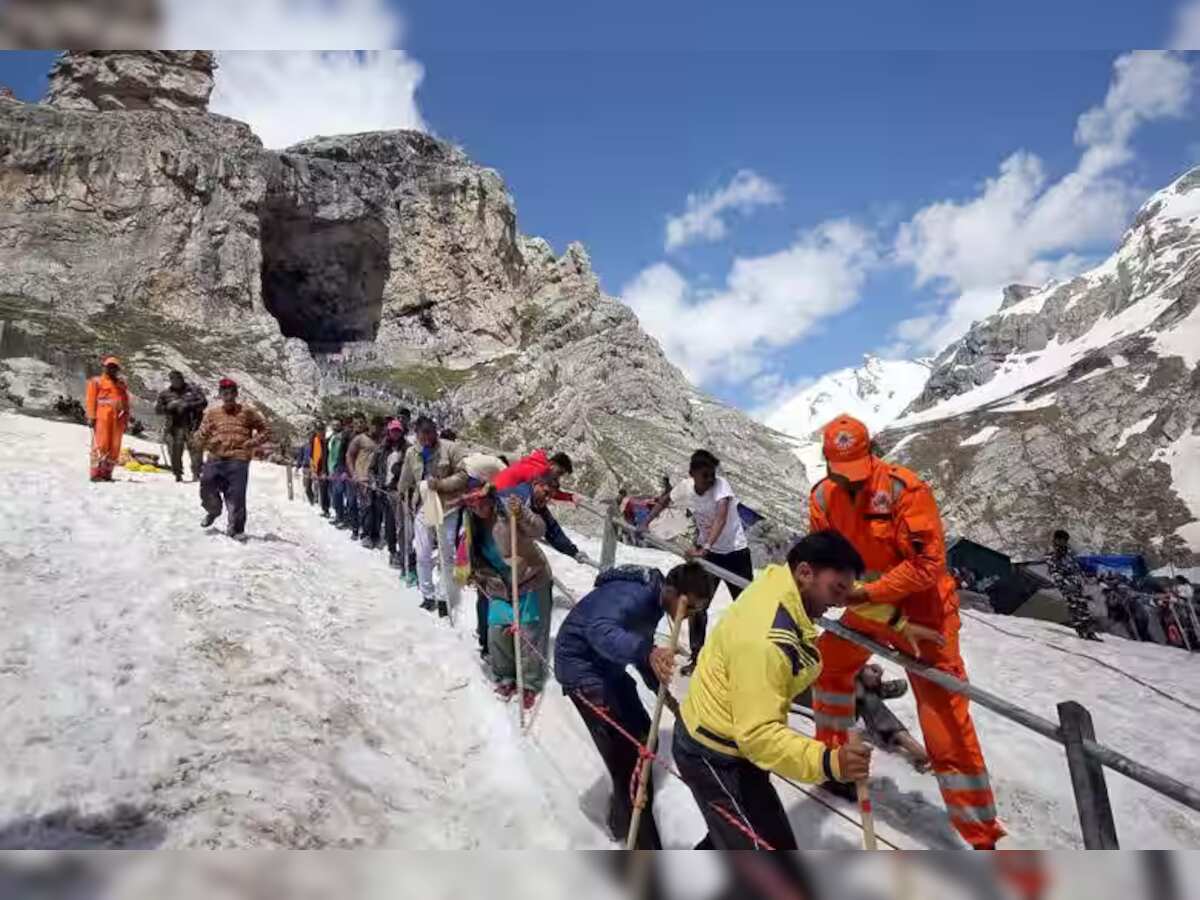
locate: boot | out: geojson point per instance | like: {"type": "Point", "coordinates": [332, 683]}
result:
{"type": "Point", "coordinates": [208, 519]}
{"type": "Point", "coordinates": [505, 690]}
{"type": "Point", "coordinates": [428, 604]}
{"type": "Point", "coordinates": [529, 701]}
{"type": "Point", "coordinates": [443, 609]}
{"type": "Point", "coordinates": [394, 559]}
{"type": "Point", "coordinates": [411, 579]}
{"type": "Point", "coordinates": [354, 534]}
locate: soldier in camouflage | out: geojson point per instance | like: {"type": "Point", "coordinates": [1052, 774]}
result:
{"type": "Point", "coordinates": [1067, 576]}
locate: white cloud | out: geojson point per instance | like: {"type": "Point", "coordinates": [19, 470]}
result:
{"type": "Point", "coordinates": [1023, 227]}
{"type": "Point", "coordinates": [281, 24]}
{"type": "Point", "coordinates": [767, 302]}
{"type": "Point", "coordinates": [316, 80]}
{"type": "Point", "coordinates": [287, 96]}
{"type": "Point", "coordinates": [703, 220]}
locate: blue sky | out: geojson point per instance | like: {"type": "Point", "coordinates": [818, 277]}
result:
{"type": "Point", "coordinates": [604, 128]}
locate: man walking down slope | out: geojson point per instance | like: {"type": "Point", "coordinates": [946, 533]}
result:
{"type": "Point", "coordinates": [182, 407]}
{"type": "Point", "coordinates": [892, 519]}
{"type": "Point", "coordinates": [232, 433]}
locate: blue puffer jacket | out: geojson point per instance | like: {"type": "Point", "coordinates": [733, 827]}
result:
{"type": "Point", "coordinates": [610, 628]}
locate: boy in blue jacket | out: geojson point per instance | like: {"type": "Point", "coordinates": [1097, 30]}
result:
{"type": "Point", "coordinates": [610, 628]}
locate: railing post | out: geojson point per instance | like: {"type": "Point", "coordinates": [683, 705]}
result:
{"type": "Point", "coordinates": [1087, 779]}
{"type": "Point", "coordinates": [608, 544]}
{"type": "Point", "coordinates": [289, 482]}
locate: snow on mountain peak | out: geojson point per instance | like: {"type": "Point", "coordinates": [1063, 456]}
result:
{"type": "Point", "coordinates": [875, 392]}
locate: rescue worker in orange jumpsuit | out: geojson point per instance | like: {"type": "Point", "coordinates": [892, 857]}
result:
{"type": "Point", "coordinates": [891, 518]}
{"type": "Point", "coordinates": [107, 411]}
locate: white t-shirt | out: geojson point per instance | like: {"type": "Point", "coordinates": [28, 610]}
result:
{"type": "Point", "coordinates": [704, 510]}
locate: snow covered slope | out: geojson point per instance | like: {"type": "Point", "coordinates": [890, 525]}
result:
{"type": "Point", "coordinates": [875, 392]}
{"type": "Point", "coordinates": [1090, 392]}
{"type": "Point", "coordinates": [169, 687]}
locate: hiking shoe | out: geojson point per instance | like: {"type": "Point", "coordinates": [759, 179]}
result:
{"type": "Point", "coordinates": [1092, 636]}
{"type": "Point", "coordinates": [443, 610]}
{"type": "Point", "coordinates": [893, 689]}
{"type": "Point", "coordinates": [428, 604]}
{"type": "Point", "coordinates": [529, 700]}
{"type": "Point", "coordinates": [505, 691]}
{"type": "Point", "coordinates": [208, 519]}
{"type": "Point", "coordinates": [239, 536]}
{"type": "Point", "coordinates": [179, 479]}
{"type": "Point", "coordinates": [843, 789]}
{"type": "Point", "coordinates": [354, 534]}
{"type": "Point", "coordinates": [394, 560]}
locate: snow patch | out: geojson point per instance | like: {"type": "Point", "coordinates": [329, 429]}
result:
{"type": "Point", "coordinates": [289, 691]}
{"type": "Point", "coordinates": [982, 436]}
{"type": "Point", "coordinates": [1183, 456]}
{"type": "Point", "coordinates": [1183, 340]}
{"type": "Point", "coordinates": [1138, 427]}
{"type": "Point", "coordinates": [875, 392]}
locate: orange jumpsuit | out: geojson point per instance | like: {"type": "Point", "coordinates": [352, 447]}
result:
{"type": "Point", "coordinates": [894, 524]}
{"type": "Point", "coordinates": [108, 409]}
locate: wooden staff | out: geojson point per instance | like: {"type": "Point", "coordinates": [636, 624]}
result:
{"type": "Point", "coordinates": [639, 801]}
{"type": "Point", "coordinates": [516, 595]}
{"type": "Point", "coordinates": [864, 804]}
{"type": "Point", "coordinates": [289, 481]}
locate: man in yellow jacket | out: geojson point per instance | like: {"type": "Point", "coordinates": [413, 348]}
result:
{"type": "Point", "coordinates": [734, 731]}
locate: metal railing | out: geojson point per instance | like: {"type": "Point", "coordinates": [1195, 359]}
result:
{"type": "Point", "coordinates": [1086, 758]}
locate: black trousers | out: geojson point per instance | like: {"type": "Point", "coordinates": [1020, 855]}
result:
{"type": "Point", "coordinates": [739, 563]}
{"type": "Point", "coordinates": [178, 440]}
{"type": "Point", "coordinates": [323, 493]}
{"type": "Point", "coordinates": [225, 479]}
{"type": "Point", "coordinates": [737, 786]}
{"type": "Point", "coordinates": [391, 528]}
{"type": "Point", "coordinates": [620, 701]}
{"type": "Point", "coordinates": [310, 487]}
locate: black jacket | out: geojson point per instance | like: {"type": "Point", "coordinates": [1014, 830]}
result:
{"type": "Point", "coordinates": [182, 409]}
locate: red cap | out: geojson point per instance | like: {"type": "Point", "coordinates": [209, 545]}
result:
{"type": "Point", "coordinates": [848, 448]}
{"type": "Point", "coordinates": [227, 383]}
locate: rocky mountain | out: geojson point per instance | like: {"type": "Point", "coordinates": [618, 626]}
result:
{"type": "Point", "coordinates": [1077, 405]}
{"type": "Point", "coordinates": [876, 392]}
{"type": "Point", "coordinates": [134, 222]}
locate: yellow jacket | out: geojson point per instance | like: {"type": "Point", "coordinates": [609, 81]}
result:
{"type": "Point", "coordinates": [760, 656]}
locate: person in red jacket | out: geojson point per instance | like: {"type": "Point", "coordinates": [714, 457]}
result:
{"type": "Point", "coordinates": [534, 466]}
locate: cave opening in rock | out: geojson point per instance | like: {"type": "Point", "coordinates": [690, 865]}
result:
{"type": "Point", "coordinates": [323, 281]}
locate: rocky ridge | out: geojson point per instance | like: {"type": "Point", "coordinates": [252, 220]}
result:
{"type": "Point", "coordinates": [171, 237]}
{"type": "Point", "coordinates": [1077, 405]}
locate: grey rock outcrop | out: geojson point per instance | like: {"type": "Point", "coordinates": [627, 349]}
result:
{"type": "Point", "coordinates": [173, 80]}
{"type": "Point", "coordinates": [177, 241]}
{"type": "Point", "coordinates": [1078, 405]}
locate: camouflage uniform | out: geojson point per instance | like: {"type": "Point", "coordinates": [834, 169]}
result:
{"type": "Point", "coordinates": [1067, 576]}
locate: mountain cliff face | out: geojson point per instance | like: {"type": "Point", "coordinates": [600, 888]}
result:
{"type": "Point", "coordinates": [1077, 405]}
{"type": "Point", "coordinates": [137, 224]}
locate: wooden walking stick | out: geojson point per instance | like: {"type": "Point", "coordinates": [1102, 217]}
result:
{"type": "Point", "coordinates": [516, 594]}
{"type": "Point", "coordinates": [639, 801]}
{"type": "Point", "coordinates": [289, 481]}
{"type": "Point", "coordinates": [864, 803]}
